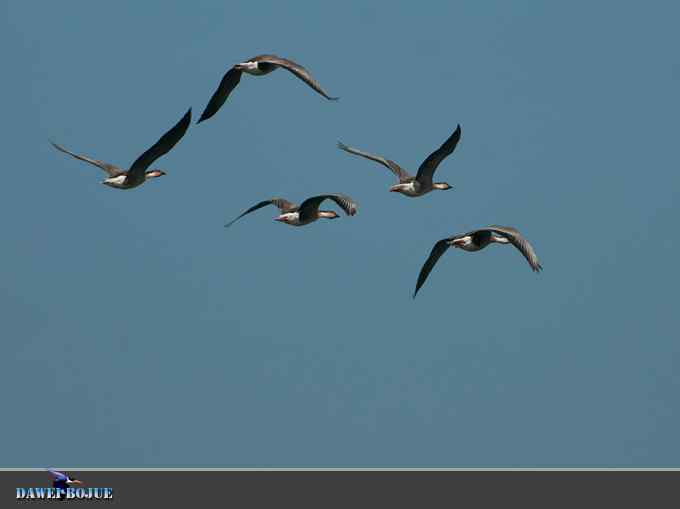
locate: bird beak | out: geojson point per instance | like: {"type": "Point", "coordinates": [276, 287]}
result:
{"type": "Point", "coordinates": [393, 189]}
{"type": "Point", "coordinates": [280, 219]}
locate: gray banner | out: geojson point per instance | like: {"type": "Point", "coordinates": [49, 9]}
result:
{"type": "Point", "coordinates": [350, 489]}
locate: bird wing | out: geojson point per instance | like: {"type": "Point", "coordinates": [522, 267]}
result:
{"type": "Point", "coordinates": [228, 83]}
{"type": "Point", "coordinates": [112, 170]}
{"type": "Point", "coordinates": [161, 147]}
{"type": "Point", "coordinates": [398, 171]}
{"type": "Point", "coordinates": [56, 475]}
{"type": "Point", "coordinates": [522, 244]}
{"type": "Point", "coordinates": [437, 251]}
{"type": "Point", "coordinates": [283, 205]}
{"type": "Point", "coordinates": [427, 169]}
{"type": "Point", "coordinates": [310, 206]}
{"type": "Point", "coordinates": [297, 70]}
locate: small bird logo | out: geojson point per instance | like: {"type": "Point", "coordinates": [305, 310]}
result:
{"type": "Point", "coordinates": [61, 480]}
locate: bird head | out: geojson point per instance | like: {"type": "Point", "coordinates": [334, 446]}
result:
{"type": "Point", "coordinates": [154, 173]}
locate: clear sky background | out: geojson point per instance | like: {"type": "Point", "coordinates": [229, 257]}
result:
{"type": "Point", "coordinates": [137, 331]}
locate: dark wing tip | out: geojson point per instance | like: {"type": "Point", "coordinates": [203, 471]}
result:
{"type": "Point", "coordinates": [333, 98]}
{"type": "Point", "coordinates": [184, 122]}
{"type": "Point", "coordinates": [205, 116]}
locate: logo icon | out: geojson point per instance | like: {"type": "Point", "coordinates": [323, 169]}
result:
{"type": "Point", "coordinates": [61, 480]}
{"type": "Point", "coordinates": [64, 487]}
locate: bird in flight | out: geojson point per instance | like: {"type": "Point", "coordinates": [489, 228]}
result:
{"type": "Point", "coordinates": [138, 172]}
{"type": "Point", "coordinates": [61, 480]}
{"type": "Point", "coordinates": [257, 66]}
{"type": "Point", "coordinates": [475, 241]}
{"type": "Point", "coordinates": [307, 212]}
{"type": "Point", "coordinates": [422, 183]}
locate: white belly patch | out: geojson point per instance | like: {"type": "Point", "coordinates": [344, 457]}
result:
{"type": "Point", "coordinates": [116, 181]}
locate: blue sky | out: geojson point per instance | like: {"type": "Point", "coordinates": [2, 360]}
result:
{"type": "Point", "coordinates": [138, 332]}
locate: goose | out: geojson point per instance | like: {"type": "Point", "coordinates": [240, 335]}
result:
{"type": "Point", "coordinates": [257, 66]}
{"type": "Point", "coordinates": [61, 480]}
{"type": "Point", "coordinates": [306, 213]}
{"type": "Point", "coordinates": [477, 240]}
{"type": "Point", "coordinates": [138, 172]}
{"type": "Point", "coordinates": [422, 183]}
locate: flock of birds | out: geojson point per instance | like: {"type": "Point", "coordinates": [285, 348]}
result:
{"type": "Point", "coordinates": [308, 211]}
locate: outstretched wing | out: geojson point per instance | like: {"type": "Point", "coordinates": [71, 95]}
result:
{"type": "Point", "coordinates": [297, 70]}
{"type": "Point", "coordinates": [160, 148]}
{"type": "Point", "coordinates": [56, 475]}
{"type": "Point", "coordinates": [522, 244]}
{"type": "Point", "coordinates": [398, 171]}
{"type": "Point", "coordinates": [283, 205]}
{"type": "Point", "coordinates": [310, 206]}
{"type": "Point", "coordinates": [228, 83]}
{"type": "Point", "coordinates": [112, 170]}
{"type": "Point", "coordinates": [427, 169]}
{"type": "Point", "coordinates": [437, 251]}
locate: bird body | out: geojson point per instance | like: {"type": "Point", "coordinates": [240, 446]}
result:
{"type": "Point", "coordinates": [257, 66]}
{"type": "Point", "coordinates": [123, 181]}
{"type": "Point", "coordinates": [422, 183]}
{"type": "Point", "coordinates": [294, 219]}
{"type": "Point", "coordinates": [138, 172]}
{"type": "Point", "coordinates": [477, 240]}
{"type": "Point", "coordinates": [307, 212]}
{"type": "Point", "coordinates": [411, 189]}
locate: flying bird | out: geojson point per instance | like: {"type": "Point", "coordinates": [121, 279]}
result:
{"type": "Point", "coordinates": [138, 172]}
{"type": "Point", "coordinates": [257, 66]}
{"type": "Point", "coordinates": [422, 183]}
{"type": "Point", "coordinates": [306, 213]}
{"type": "Point", "coordinates": [61, 480]}
{"type": "Point", "coordinates": [475, 241]}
